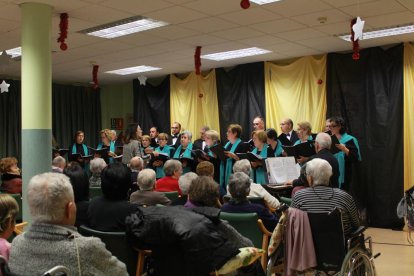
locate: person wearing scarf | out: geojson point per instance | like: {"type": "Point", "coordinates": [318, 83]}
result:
{"type": "Point", "coordinates": [184, 151]}
{"type": "Point", "coordinates": [107, 143]}
{"type": "Point", "coordinates": [78, 147]}
{"type": "Point", "coordinates": [162, 148]}
{"type": "Point", "coordinates": [259, 172]}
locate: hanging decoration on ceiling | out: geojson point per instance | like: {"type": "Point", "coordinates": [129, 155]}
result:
{"type": "Point", "coordinates": [142, 80]}
{"type": "Point", "coordinates": [95, 76]}
{"type": "Point", "coordinates": [63, 26]}
{"type": "Point", "coordinates": [245, 4]}
{"type": "Point", "coordinates": [4, 86]}
{"type": "Point", "coordinates": [5, 59]}
{"type": "Point", "coordinates": [357, 26]}
{"type": "Point", "coordinates": [197, 60]}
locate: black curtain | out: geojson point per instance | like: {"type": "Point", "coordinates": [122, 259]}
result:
{"type": "Point", "coordinates": [75, 108]}
{"type": "Point", "coordinates": [241, 96]}
{"type": "Point", "coordinates": [368, 94]}
{"type": "Point", "coordinates": [152, 105]}
{"type": "Point", "coordinates": [11, 120]}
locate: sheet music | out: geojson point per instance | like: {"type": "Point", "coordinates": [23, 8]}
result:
{"type": "Point", "coordinates": [282, 169]}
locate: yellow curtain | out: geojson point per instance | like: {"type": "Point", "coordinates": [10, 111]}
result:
{"type": "Point", "coordinates": [194, 103]}
{"type": "Point", "coordinates": [292, 91]}
{"type": "Point", "coordinates": [408, 115]}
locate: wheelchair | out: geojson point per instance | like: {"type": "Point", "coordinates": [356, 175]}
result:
{"type": "Point", "coordinates": [335, 253]}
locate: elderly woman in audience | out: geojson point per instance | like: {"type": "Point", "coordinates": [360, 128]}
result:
{"type": "Point", "coordinates": [183, 152]}
{"type": "Point", "coordinates": [96, 166]}
{"type": "Point", "coordinates": [163, 149]}
{"type": "Point", "coordinates": [184, 182]}
{"type": "Point", "coordinates": [169, 183]}
{"type": "Point", "coordinates": [132, 145]}
{"type": "Point", "coordinates": [108, 212]}
{"type": "Point", "coordinates": [80, 185]}
{"type": "Point", "coordinates": [51, 238]}
{"type": "Point", "coordinates": [146, 195]}
{"type": "Point", "coordinates": [10, 176]}
{"type": "Point", "coordinates": [320, 198]}
{"type": "Point", "coordinates": [239, 187]}
{"type": "Point", "coordinates": [259, 138]}
{"type": "Point", "coordinates": [256, 190]}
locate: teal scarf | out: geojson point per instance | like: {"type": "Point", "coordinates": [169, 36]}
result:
{"type": "Point", "coordinates": [85, 149]}
{"type": "Point", "coordinates": [160, 170]}
{"type": "Point", "coordinates": [310, 138]}
{"type": "Point", "coordinates": [279, 149]}
{"type": "Point", "coordinates": [259, 173]}
{"type": "Point", "coordinates": [226, 167]}
{"type": "Point", "coordinates": [186, 153]}
{"type": "Point", "coordinates": [111, 148]}
{"type": "Point", "coordinates": [340, 156]}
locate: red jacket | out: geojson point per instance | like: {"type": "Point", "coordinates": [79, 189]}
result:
{"type": "Point", "coordinates": [167, 184]}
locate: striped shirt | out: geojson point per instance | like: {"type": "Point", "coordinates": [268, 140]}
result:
{"type": "Point", "coordinates": [323, 199]}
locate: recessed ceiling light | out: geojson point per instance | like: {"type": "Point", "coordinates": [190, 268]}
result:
{"type": "Point", "coordinates": [247, 52]}
{"type": "Point", "coordinates": [15, 52]}
{"type": "Point", "coordinates": [132, 70]}
{"type": "Point", "coordinates": [263, 2]}
{"type": "Point", "coordinates": [383, 32]}
{"type": "Point", "coordinates": [123, 27]}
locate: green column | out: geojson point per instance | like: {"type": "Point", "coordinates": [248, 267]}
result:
{"type": "Point", "coordinates": [36, 93]}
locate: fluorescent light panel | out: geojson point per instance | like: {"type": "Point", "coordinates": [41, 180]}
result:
{"type": "Point", "coordinates": [124, 27]}
{"type": "Point", "coordinates": [383, 32]}
{"type": "Point", "coordinates": [15, 52]}
{"type": "Point", "coordinates": [247, 52]}
{"type": "Point", "coordinates": [132, 70]}
{"type": "Point", "coordinates": [263, 2]}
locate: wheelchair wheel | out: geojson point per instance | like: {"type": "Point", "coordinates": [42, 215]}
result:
{"type": "Point", "coordinates": [357, 262]}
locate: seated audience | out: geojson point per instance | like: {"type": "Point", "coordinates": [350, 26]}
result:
{"type": "Point", "coordinates": [256, 190]}
{"type": "Point", "coordinates": [80, 185]}
{"type": "Point", "coordinates": [205, 168]}
{"type": "Point", "coordinates": [10, 176]}
{"type": "Point", "coordinates": [169, 183]}
{"type": "Point", "coordinates": [319, 197]}
{"type": "Point", "coordinates": [8, 213]}
{"type": "Point", "coordinates": [184, 182]}
{"type": "Point", "coordinates": [108, 212]}
{"type": "Point", "coordinates": [136, 164]}
{"type": "Point", "coordinates": [146, 194]}
{"type": "Point", "coordinates": [96, 166]}
{"type": "Point", "coordinates": [52, 240]}
{"type": "Point", "coordinates": [58, 164]}
{"type": "Point", "coordinates": [239, 187]}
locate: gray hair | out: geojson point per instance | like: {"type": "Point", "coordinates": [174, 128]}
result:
{"type": "Point", "coordinates": [205, 128]}
{"type": "Point", "coordinates": [239, 185]}
{"type": "Point", "coordinates": [171, 166]}
{"type": "Point", "coordinates": [58, 161]}
{"type": "Point", "coordinates": [47, 197]}
{"type": "Point", "coordinates": [188, 133]}
{"type": "Point", "coordinates": [136, 163]}
{"type": "Point", "coordinates": [243, 166]}
{"type": "Point", "coordinates": [320, 171]}
{"type": "Point", "coordinates": [185, 181]}
{"type": "Point", "coordinates": [146, 180]}
{"type": "Point", "coordinates": [324, 140]}
{"type": "Point", "coordinates": [97, 165]}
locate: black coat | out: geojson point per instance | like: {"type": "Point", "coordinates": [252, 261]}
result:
{"type": "Point", "coordinates": [177, 143]}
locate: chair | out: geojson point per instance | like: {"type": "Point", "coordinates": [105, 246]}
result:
{"type": "Point", "coordinates": [95, 192]}
{"type": "Point", "coordinates": [286, 200]}
{"type": "Point", "coordinates": [171, 195]}
{"type": "Point", "coordinates": [117, 244]}
{"type": "Point", "coordinates": [252, 228]}
{"type": "Point", "coordinates": [18, 199]}
{"type": "Point", "coordinates": [59, 270]}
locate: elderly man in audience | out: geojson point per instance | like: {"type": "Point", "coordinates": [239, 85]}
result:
{"type": "Point", "coordinates": [58, 164]}
{"type": "Point", "coordinates": [256, 190]}
{"type": "Point", "coordinates": [146, 194]}
{"type": "Point", "coordinates": [320, 198]}
{"type": "Point", "coordinates": [184, 182]}
{"type": "Point", "coordinates": [239, 187]}
{"type": "Point", "coordinates": [169, 183]}
{"type": "Point", "coordinates": [108, 212]}
{"type": "Point", "coordinates": [52, 240]}
{"type": "Point", "coordinates": [136, 164]}
{"type": "Point", "coordinates": [96, 166]}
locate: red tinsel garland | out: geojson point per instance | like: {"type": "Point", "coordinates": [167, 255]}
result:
{"type": "Point", "coordinates": [245, 4]}
{"type": "Point", "coordinates": [63, 25]}
{"type": "Point", "coordinates": [197, 60]}
{"type": "Point", "coordinates": [95, 76]}
{"type": "Point", "coordinates": [355, 44]}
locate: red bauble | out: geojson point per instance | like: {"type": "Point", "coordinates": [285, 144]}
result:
{"type": "Point", "coordinates": [355, 56]}
{"type": "Point", "coordinates": [245, 4]}
{"type": "Point", "coordinates": [63, 46]}
{"type": "Point", "coordinates": [320, 81]}
{"type": "Point", "coordinates": [200, 95]}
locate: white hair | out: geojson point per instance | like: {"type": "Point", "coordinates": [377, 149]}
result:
{"type": "Point", "coordinates": [188, 134]}
{"type": "Point", "coordinates": [185, 181]}
{"type": "Point", "coordinates": [324, 140]}
{"type": "Point", "coordinates": [47, 197]}
{"type": "Point", "coordinates": [146, 179]}
{"type": "Point", "coordinates": [320, 171]}
{"type": "Point", "coordinates": [97, 165]}
{"type": "Point", "coordinates": [58, 161]}
{"type": "Point", "coordinates": [136, 163]}
{"type": "Point", "coordinates": [243, 166]}
{"type": "Point", "coordinates": [171, 166]}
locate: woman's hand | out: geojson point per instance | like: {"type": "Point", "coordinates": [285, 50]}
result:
{"type": "Point", "coordinates": [343, 148]}
{"type": "Point", "coordinates": [231, 155]}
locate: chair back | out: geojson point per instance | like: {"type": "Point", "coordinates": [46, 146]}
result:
{"type": "Point", "coordinates": [252, 199]}
{"type": "Point", "coordinates": [95, 192]}
{"type": "Point", "coordinates": [18, 199]}
{"type": "Point", "coordinates": [171, 195]}
{"type": "Point", "coordinates": [328, 239]}
{"type": "Point", "coordinates": [245, 224]}
{"type": "Point", "coordinates": [117, 244]}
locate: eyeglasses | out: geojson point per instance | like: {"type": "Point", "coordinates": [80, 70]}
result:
{"type": "Point", "coordinates": [174, 127]}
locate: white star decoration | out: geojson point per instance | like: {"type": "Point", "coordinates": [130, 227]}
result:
{"type": "Point", "coordinates": [358, 28]}
{"type": "Point", "coordinates": [4, 86]}
{"type": "Point", "coordinates": [142, 80]}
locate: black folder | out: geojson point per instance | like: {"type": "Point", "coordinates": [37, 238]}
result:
{"type": "Point", "coordinates": [199, 154]}
{"type": "Point", "coordinates": [161, 156]}
{"type": "Point", "coordinates": [101, 151]}
{"type": "Point", "coordinates": [252, 157]}
{"type": "Point", "coordinates": [76, 156]}
{"type": "Point", "coordinates": [335, 141]}
{"type": "Point", "coordinates": [61, 152]}
{"type": "Point", "coordinates": [219, 150]}
{"type": "Point", "coordinates": [306, 149]}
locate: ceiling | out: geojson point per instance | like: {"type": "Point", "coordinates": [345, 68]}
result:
{"type": "Point", "coordinates": [289, 28]}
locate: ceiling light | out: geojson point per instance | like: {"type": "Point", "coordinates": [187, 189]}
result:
{"type": "Point", "coordinates": [15, 52]}
{"type": "Point", "coordinates": [123, 27]}
{"type": "Point", "coordinates": [247, 52]}
{"type": "Point", "coordinates": [132, 70]}
{"type": "Point", "coordinates": [263, 2]}
{"type": "Point", "coordinates": [388, 31]}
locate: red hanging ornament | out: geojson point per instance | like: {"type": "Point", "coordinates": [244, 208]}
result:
{"type": "Point", "coordinates": [320, 81]}
{"type": "Point", "coordinates": [197, 60]}
{"type": "Point", "coordinates": [63, 26]}
{"type": "Point", "coordinates": [355, 44]}
{"type": "Point", "coordinates": [95, 76]}
{"type": "Point", "coordinates": [245, 4]}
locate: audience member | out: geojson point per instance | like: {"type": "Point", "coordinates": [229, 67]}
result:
{"type": "Point", "coordinates": [205, 168]}
{"type": "Point", "coordinates": [96, 166]}
{"type": "Point", "coordinates": [136, 164]}
{"type": "Point", "coordinates": [146, 195]}
{"type": "Point", "coordinates": [184, 182]}
{"type": "Point", "coordinates": [8, 213]}
{"type": "Point", "coordinates": [58, 164]}
{"type": "Point", "coordinates": [204, 191]}
{"type": "Point", "coordinates": [173, 170]}
{"type": "Point", "coordinates": [10, 176]}
{"type": "Point", "coordinates": [52, 240]}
